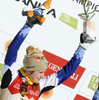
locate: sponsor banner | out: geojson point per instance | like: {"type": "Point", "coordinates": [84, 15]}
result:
{"type": "Point", "coordinates": [56, 63]}
{"type": "Point", "coordinates": [73, 80]}
{"type": "Point", "coordinates": [72, 22]}
{"type": "Point", "coordinates": [93, 4]}
{"type": "Point", "coordinates": [1, 65]}
{"type": "Point", "coordinates": [60, 27]}
{"type": "Point", "coordinates": [90, 84]}
{"type": "Point", "coordinates": [93, 84]}
{"type": "Point", "coordinates": [79, 97]}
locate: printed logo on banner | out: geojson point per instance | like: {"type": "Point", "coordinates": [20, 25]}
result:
{"type": "Point", "coordinates": [72, 22]}
{"type": "Point", "coordinates": [91, 4]}
{"type": "Point", "coordinates": [7, 44]}
{"type": "Point", "coordinates": [79, 97]}
{"type": "Point", "coordinates": [1, 65]}
{"type": "Point", "coordinates": [93, 84]}
{"type": "Point", "coordinates": [56, 63]}
{"type": "Point", "coordinates": [47, 94]}
{"type": "Point", "coordinates": [73, 80]}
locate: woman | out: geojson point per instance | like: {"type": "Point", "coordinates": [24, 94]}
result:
{"type": "Point", "coordinates": [28, 83]}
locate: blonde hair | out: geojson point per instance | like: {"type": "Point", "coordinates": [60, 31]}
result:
{"type": "Point", "coordinates": [31, 50]}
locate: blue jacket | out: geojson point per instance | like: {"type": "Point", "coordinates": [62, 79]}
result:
{"type": "Point", "coordinates": [96, 95]}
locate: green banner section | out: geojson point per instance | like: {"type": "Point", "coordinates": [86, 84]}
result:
{"type": "Point", "coordinates": [72, 22]}
{"type": "Point", "coordinates": [1, 65]}
{"type": "Point", "coordinates": [93, 84]}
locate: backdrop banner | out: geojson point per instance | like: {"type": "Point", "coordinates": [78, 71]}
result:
{"type": "Point", "coordinates": [58, 38]}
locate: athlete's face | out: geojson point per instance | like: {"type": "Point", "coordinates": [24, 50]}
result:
{"type": "Point", "coordinates": [36, 76]}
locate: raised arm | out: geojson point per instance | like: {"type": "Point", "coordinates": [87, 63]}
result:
{"type": "Point", "coordinates": [71, 66]}
{"type": "Point", "coordinates": [15, 44]}
{"type": "Point", "coordinates": [57, 78]}
{"type": "Point", "coordinates": [9, 71]}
